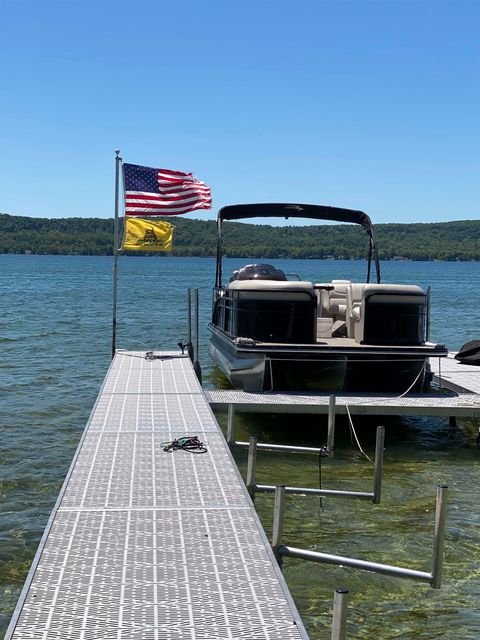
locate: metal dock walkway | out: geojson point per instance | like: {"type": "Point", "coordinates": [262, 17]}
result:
{"type": "Point", "coordinates": [144, 544]}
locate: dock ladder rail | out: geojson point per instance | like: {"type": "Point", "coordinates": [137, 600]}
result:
{"type": "Point", "coordinates": [434, 577]}
{"type": "Point", "coordinates": [146, 544]}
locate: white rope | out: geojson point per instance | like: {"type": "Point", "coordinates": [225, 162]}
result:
{"type": "Point", "coordinates": [355, 435]}
{"type": "Point", "coordinates": [366, 403]}
{"type": "Point", "coordinates": [414, 382]}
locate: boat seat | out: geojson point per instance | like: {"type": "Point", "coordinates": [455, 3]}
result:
{"type": "Point", "coordinates": [355, 295]}
{"type": "Point", "coordinates": [264, 289]}
{"type": "Point", "coordinates": [359, 294]}
{"type": "Point", "coordinates": [272, 310]}
{"type": "Point", "coordinates": [333, 304]}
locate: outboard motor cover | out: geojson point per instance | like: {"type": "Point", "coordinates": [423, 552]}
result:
{"type": "Point", "coordinates": [260, 272]}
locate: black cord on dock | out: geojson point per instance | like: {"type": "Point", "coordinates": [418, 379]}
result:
{"type": "Point", "coordinates": [188, 443]}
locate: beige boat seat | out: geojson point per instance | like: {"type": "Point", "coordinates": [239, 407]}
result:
{"type": "Point", "coordinates": [256, 309]}
{"type": "Point", "coordinates": [265, 289]}
{"type": "Point", "coordinates": [359, 294]}
{"type": "Point", "coordinates": [333, 303]}
{"type": "Point", "coordinates": [355, 295]}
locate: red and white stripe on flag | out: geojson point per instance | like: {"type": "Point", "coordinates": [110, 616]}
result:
{"type": "Point", "coordinates": [163, 192]}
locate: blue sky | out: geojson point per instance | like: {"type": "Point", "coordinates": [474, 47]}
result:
{"type": "Point", "coordinates": [367, 104]}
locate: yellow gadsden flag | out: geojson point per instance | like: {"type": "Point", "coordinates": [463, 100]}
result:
{"type": "Point", "coordinates": [147, 235]}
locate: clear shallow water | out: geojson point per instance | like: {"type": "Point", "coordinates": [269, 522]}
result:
{"type": "Point", "coordinates": [55, 337]}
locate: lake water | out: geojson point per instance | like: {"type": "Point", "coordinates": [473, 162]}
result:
{"type": "Point", "coordinates": [55, 335]}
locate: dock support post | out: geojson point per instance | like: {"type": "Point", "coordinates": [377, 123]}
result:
{"type": "Point", "coordinates": [196, 324]}
{"type": "Point", "coordinates": [189, 314]}
{"type": "Point", "coordinates": [189, 344]}
{"type": "Point", "coordinates": [339, 622]}
{"type": "Point", "coordinates": [331, 423]}
{"type": "Point", "coordinates": [196, 363]}
{"type": "Point", "coordinates": [377, 477]}
{"type": "Point", "coordinates": [452, 421]}
{"type": "Point", "coordinates": [252, 458]}
{"type": "Point", "coordinates": [429, 312]}
{"type": "Point", "coordinates": [439, 536]}
{"type": "Point", "coordinates": [230, 425]}
{"type": "Point", "coordinates": [278, 511]}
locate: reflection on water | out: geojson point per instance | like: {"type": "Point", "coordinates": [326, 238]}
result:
{"type": "Point", "coordinates": [55, 338]}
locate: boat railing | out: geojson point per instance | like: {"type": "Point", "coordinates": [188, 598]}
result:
{"type": "Point", "coordinates": [267, 319]}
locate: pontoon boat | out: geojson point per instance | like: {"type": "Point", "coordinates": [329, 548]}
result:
{"type": "Point", "coordinates": [271, 333]}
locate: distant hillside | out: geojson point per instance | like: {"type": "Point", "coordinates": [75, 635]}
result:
{"type": "Point", "coordinates": [94, 236]}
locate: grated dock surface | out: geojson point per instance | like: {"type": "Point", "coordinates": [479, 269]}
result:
{"type": "Point", "coordinates": [463, 400]}
{"type": "Point", "coordinates": [455, 375]}
{"type": "Point", "coordinates": [462, 404]}
{"type": "Point", "coordinates": [144, 544]}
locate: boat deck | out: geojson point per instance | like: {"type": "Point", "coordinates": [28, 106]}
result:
{"type": "Point", "coordinates": [339, 343]}
{"type": "Point", "coordinates": [145, 544]}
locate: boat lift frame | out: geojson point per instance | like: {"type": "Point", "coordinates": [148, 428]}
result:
{"type": "Point", "coordinates": [434, 577]}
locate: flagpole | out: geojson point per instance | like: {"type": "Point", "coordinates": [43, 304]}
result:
{"type": "Point", "coordinates": [118, 161]}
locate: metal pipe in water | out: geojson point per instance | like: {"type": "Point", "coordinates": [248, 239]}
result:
{"type": "Point", "coordinates": [366, 565]}
{"type": "Point", "coordinates": [377, 477]}
{"type": "Point", "coordinates": [331, 423]}
{"type": "Point", "coordinates": [281, 447]}
{"type": "Point", "coordinates": [252, 457]}
{"type": "Point", "coordinates": [361, 495]}
{"type": "Point", "coordinates": [231, 426]}
{"type": "Point", "coordinates": [339, 622]}
{"type": "Point", "coordinates": [439, 535]}
{"type": "Point", "coordinates": [278, 511]}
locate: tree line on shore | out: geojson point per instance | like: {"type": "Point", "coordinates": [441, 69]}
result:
{"type": "Point", "coordinates": [459, 240]}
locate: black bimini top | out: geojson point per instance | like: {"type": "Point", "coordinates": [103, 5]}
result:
{"type": "Point", "coordinates": [276, 210]}
{"type": "Point", "coordinates": [284, 210]}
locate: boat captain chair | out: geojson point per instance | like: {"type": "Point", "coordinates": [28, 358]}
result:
{"type": "Point", "coordinates": [333, 303]}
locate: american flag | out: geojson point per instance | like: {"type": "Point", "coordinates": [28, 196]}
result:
{"type": "Point", "coordinates": [162, 192]}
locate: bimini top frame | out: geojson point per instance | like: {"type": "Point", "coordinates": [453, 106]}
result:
{"type": "Point", "coordinates": [277, 210]}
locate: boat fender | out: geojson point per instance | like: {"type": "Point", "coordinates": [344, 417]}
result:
{"type": "Point", "coordinates": [469, 353]}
